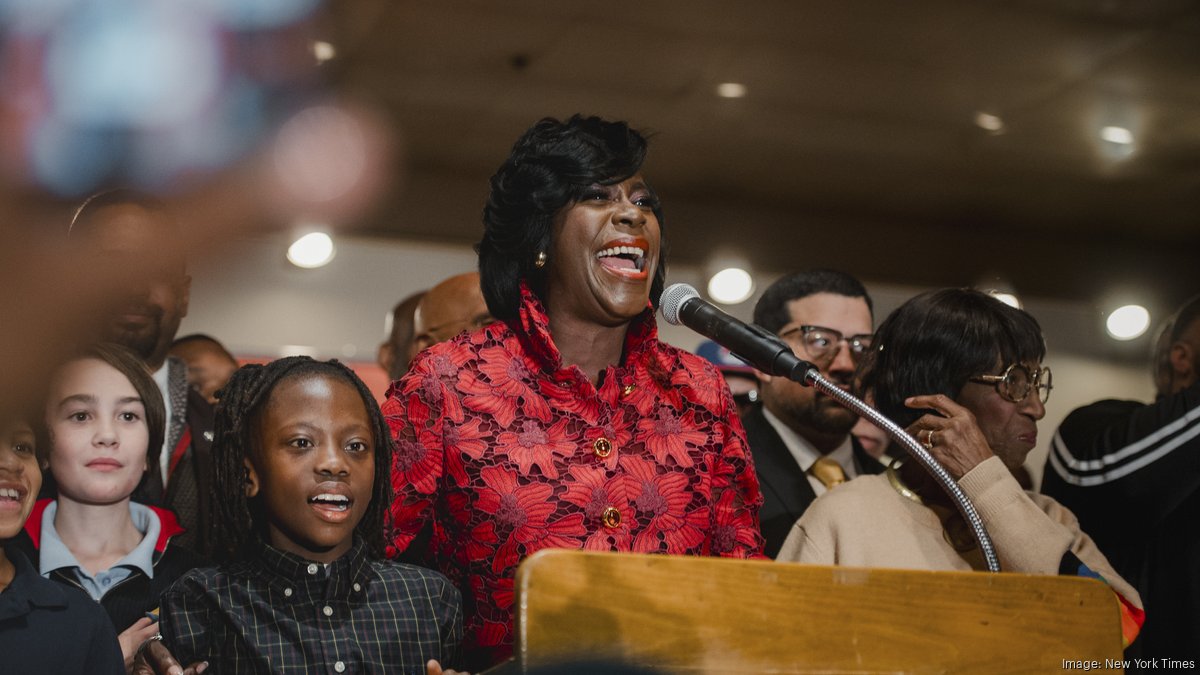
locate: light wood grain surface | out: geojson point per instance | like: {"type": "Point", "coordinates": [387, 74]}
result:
{"type": "Point", "coordinates": [709, 615]}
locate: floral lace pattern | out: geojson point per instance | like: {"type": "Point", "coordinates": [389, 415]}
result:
{"type": "Point", "coordinates": [508, 453]}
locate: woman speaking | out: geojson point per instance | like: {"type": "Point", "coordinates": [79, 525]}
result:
{"type": "Point", "coordinates": [566, 423]}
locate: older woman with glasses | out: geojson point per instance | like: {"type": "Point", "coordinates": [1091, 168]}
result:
{"type": "Point", "coordinates": [962, 371]}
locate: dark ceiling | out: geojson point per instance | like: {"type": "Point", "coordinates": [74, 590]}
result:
{"type": "Point", "coordinates": [856, 145]}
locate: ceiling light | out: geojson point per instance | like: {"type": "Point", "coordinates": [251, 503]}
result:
{"type": "Point", "coordinates": [323, 51]}
{"type": "Point", "coordinates": [989, 122]}
{"type": "Point", "coordinates": [1118, 135]}
{"type": "Point", "coordinates": [314, 249]}
{"type": "Point", "coordinates": [1007, 298]}
{"type": "Point", "coordinates": [1128, 322]}
{"type": "Point", "coordinates": [730, 286]}
{"type": "Point", "coordinates": [296, 350]}
{"type": "Point", "coordinates": [731, 90]}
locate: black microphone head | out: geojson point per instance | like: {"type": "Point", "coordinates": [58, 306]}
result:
{"type": "Point", "coordinates": [672, 299]}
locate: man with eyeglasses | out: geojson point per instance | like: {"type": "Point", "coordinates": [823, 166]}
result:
{"type": "Point", "coordinates": [801, 438]}
{"type": "Point", "coordinates": [1131, 473]}
{"type": "Point", "coordinates": [448, 309]}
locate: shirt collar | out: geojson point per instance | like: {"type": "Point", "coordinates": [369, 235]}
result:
{"type": "Point", "coordinates": [804, 452]}
{"type": "Point", "coordinates": [313, 579]}
{"type": "Point", "coordinates": [533, 329]}
{"type": "Point", "coordinates": [162, 378]}
{"type": "Point", "coordinates": [53, 554]}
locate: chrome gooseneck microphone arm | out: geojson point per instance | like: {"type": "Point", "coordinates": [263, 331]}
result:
{"type": "Point", "coordinates": [681, 304]}
{"type": "Point", "coordinates": [814, 379]}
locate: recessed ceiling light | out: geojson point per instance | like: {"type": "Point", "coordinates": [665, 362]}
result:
{"type": "Point", "coordinates": [297, 350]}
{"type": "Point", "coordinates": [1128, 322]}
{"type": "Point", "coordinates": [989, 122]}
{"type": "Point", "coordinates": [314, 249]}
{"type": "Point", "coordinates": [1118, 135]}
{"type": "Point", "coordinates": [1007, 298]}
{"type": "Point", "coordinates": [730, 286]}
{"type": "Point", "coordinates": [323, 51]}
{"type": "Point", "coordinates": [731, 90]}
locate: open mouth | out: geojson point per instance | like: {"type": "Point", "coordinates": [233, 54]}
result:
{"type": "Point", "coordinates": [331, 502]}
{"type": "Point", "coordinates": [11, 498]}
{"type": "Point", "coordinates": [625, 259]}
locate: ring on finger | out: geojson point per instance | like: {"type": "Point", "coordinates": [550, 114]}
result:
{"type": "Point", "coordinates": [928, 439]}
{"type": "Point", "coordinates": [146, 643]}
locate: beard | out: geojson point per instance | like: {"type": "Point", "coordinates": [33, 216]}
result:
{"type": "Point", "coordinates": [140, 336]}
{"type": "Point", "coordinates": [141, 341]}
{"type": "Point", "coordinates": [828, 416]}
{"type": "Point", "coordinates": [819, 413]}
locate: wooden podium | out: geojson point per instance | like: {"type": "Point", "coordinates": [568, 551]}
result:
{"type": "Point", "coordinates": [709, 615]}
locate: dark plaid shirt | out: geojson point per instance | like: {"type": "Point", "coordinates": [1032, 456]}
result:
{"type": "Point", "coordinates": [278, 613]}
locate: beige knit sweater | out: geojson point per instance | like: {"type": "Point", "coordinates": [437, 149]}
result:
{"type": "Point", "coordinates": [867, 523]}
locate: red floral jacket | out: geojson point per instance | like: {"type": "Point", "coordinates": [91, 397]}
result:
{"type": "Point", "coordinates": [509, 453]}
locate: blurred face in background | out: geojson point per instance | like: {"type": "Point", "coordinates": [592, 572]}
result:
{"type": "Point", "coordinates": [397, 351]}
{"type": "Point", "coordinates": [146, 315]}
{"type": "Point", "coordinates": [208, 366]}
{"type": "Point", "coordinates": [448, 309]}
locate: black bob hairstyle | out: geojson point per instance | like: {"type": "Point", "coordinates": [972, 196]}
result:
{"type": "Point", "coordinates": [236, 522]}
{"type": "Point", "coordinates": [935, 342]}
{"type": "Point", "coordinates": [550, 166]}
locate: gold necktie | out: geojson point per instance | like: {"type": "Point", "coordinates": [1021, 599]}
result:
{"type": "Point", "coordinates": [828, 471]}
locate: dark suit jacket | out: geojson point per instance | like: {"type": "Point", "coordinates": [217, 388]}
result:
{"type": "Point", "coordinates": [190, 488]}
{"type": "Point", "coordinates": [785, 488]}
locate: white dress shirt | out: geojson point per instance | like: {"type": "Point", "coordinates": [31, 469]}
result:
{"type": "Point", "coordinates": [805, 454]}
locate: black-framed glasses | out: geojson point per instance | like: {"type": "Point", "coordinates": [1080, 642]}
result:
{"type": "Point", "coordinates": [822, 343]}
{"type": "Point", "coordinates": [1018, 380]}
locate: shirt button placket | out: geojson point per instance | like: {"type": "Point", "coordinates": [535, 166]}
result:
{"type": "Point", "coordinates": [339, 667]}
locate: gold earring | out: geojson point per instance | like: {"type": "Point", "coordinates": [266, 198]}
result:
{"type": "Point", "coordinates": [540, 262]}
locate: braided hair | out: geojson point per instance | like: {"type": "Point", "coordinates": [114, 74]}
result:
{"type": "Point", "coordinates": [236, 522]}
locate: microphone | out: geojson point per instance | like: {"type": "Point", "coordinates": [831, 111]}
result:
{"type": "Point", "coordinates": [682, 305]}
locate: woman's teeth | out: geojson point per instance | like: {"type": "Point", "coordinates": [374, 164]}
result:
{"type": "Point", "coordinates": [623, 257]}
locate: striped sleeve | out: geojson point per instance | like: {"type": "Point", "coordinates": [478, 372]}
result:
{"type": "Point", "coordinates": [1146, 456]}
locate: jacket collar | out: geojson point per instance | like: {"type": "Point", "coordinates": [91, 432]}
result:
{"type": "Point", "coordinates": [533, 330]}
{"type": "Point", "coordinates": [168, 525]}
